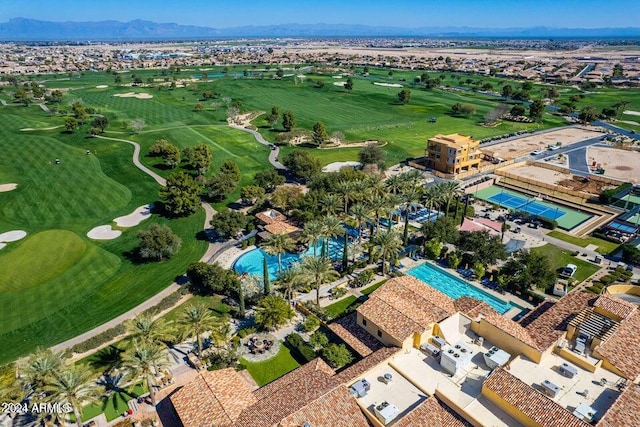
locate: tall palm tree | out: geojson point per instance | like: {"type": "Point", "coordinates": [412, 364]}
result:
{"type": "Point", "coordinates": [318, 271]}
{"type": "Point", "coordinates": [330, 203]}
{"type": "Point", "coordinates": [411, 179]}
{"type": "Point", "coordinates": [290, 279]}
{"type": "Point", "coordinates": [198, 319]}
{"type": "Point", "coordinates": [277, 245]}
{"type": "Point", "coordinates": [431, 197]}
{"type": "Point", "coordinates": [347, 192]}
{"type": "Point", "coordinates": [75, 386]}
{"type": "Point", "coordinates": [388, 243]}
{"type": "Point", "coordinates": [359, 212]}
{"type": "Point", "coordinates": [312, 233]}
{"type": "Point", "coordinates": [411, 195]}
{"type": "Point", "coordinates": [395, 184]}
{"type": "Point", "coordinates": [448, 190]}
{"type": "Point", "coordinates": [375, 188]}
{"type": "Point", "coordinates": [146, 329]}
{"type": "Point", "coordinates": [39, 368]}
{"type": "Point", "coordinates": [143, 361]}
{"type": "Point", "coordinates": [378, 208]}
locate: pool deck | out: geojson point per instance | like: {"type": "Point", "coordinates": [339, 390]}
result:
{"type": "Point", "coordinates": [504, 297]}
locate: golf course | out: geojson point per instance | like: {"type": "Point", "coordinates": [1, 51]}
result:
{"type": "Point", "coordinates": [56, 282]}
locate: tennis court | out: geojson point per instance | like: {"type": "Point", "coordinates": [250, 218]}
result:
{"type": "Point", "coordinates": [565, 217]}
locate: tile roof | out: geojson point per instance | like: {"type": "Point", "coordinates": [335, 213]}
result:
{"type": "Point", "coordinates": [615, 305]}
{"type": "Point", "coordinates": [432, 412]}
{"type": "Point", "coordinates": [507, 325]}
{"type": "Point", "coordinates": [273, 408]}
{"type": "Point", "coordinates": [350, 374]}
{"type": "Point", "coordinates": [337, 408]}
{"type": "Point", "coordinates": [473, 225]}
{"type": "Point", "coordinates": [530, 402]}
{"type": "Point", "coordinates": [405, 305]}
{"type": "Point", "coordinates": [469, 306]}
{"type": "Point", "coordinates": [547, 322]}
{"type": "Point", "coordinates": [625, 411]}
{"type": "Point", "coordinates": [281, 227]}
{"type": "Point", "coordinates": [213, 398]}
{"type": "Point", "coordinates": [283, 382]}
{"type": "Point", "coordinates": [270, 216]}
{"type": "Point", "coordinates": [354, 335]}
{"type": "Point", "coordinates": [622, 350]}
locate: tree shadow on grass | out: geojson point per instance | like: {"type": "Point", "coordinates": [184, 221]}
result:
{"type": "Point", "coordinates": [107, 358]}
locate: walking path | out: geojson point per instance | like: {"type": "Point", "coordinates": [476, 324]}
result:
{"type": "Point", "coordinates": [273, 156]}
{"type": "Point", "coordinates": [136, 159]}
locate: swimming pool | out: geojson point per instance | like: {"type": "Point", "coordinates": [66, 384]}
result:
{"type": "Point", "coordinates": [251, 262]}
{"type": "Point", "coordinates": [455, 287]}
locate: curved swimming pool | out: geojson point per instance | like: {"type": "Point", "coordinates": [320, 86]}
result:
{"type": "Point", "coordinates": [251, 262]}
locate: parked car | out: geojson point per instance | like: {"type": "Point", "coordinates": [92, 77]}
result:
{"type": "Point", "coordinates": [569, 270]}
{"type": "Point", "coordinates": [536, 152]}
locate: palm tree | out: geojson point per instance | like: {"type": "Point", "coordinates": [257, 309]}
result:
{"type": "Point", "coordinates": [431, 197]}
{"type": "Point", "coordinates": [39, 368]}
{"type": "Point", "coordinates": [150, 331]}
{"type": "Point", "coordinates": [411, 195]}
{"type": "Point", "coordinates": [330, 203]}
{"type": "Point", "coordinates": [143, 361]}
{"type": "Point", "coordinates": [395, 184]}
{"type": "Point", "coordinates": [378, 208]}
{"type": "Point", "coordinates": [198, 319]}
{"type": "Point", "coordinates": [318, 271]}
{"type": "Point", "coordinates": [277, 245]}
{"type": "Point", "coordinates": [359, 212]}
{"type": "Point", "coordinates": [290, 279]}
{"type": "Point", "coordinates": [388, 243]}
{"type": "Point", "coordinates": [312, 233]}
{"type": "Point", "coordinates": [75, 386]}
{"type": "Point", "coordinates": [347, 190]}
{"type": "Point", "coordinates": [273, 311]}
{"type": "Point", "coordinates": [448, 190]}
{"type": "Point", "coordinates": [411, 179]}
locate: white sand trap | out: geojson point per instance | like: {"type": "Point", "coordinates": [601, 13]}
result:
{"type": "Point", "coordinates": [336, 166]}
{"type": "Point", "coordinates": [134, 218]}
{"type": "Point", "coordinates": [631, 112]}
{"type": "Point", "coordinates": [630, 122]}
{"type": "Point", "coordinates": [142, 95]}
{"type": "Point", "coordinates": [12, 236]}
{"type": "Point", "coordinates": [103, 232]}
{"type": "Point", "coordinates": [7, 187]}
{"type": "Point", "coordinates": [336, 77]}
{"type": "Point", "coordinates": [2, 245]}
{"type": "Point", "coordinates": [102, 86]}
{"type": "Point", "coordinates": [387, 84]}
{"type": "Point", "coordinates": [339, 83]}
{"type": "Point", "coordinates": [32, 129]}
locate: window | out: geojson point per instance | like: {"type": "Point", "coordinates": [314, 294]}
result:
{"type": "Point", "coordinates": [379, 333]}
{"type": "Point", "coordinates": [364, 322]}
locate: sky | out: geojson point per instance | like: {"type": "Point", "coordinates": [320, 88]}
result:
{"type": "Point", "coordinates": [403, 13]}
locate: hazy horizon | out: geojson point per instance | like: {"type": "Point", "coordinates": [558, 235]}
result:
{"type": "Point", "coordinates": [495, 14]}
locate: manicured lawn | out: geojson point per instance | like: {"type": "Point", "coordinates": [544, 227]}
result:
{"type": "Point", "coordinates": [214, 303]}
{"type": "Point", "coordinates": [114, 405]}
{"type": "Point", "coordinates": [604, 246]}
{"type": "Point", "coordinates": [560, 258]}
{"type": "Point", "coordinates": [272, 369]}
{"type": "Point", "coordinates": [367, 291]}
{"type": "Point", "coordinates": [337, 308]}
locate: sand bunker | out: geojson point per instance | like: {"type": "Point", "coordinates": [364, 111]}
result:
{"type": "Point", "coordinates": [339, 83]}
{"type": "Point", "coordinates": [631, 112]}
{"type": "Point", "coordinates": [136, 217]}
{"type": "Point", "coordinates": [387, 84]}
{"type": "Point", "coordinates": [336, 166]}
{"type": "Point", "coordinates": [103, 232]}
{"type": "Point", "coordinates": [102, 86]}
{"type": "Point", "coordinates": [12, 236]}
{"type": "Point", "coordinates": [32, 129]}
{"type": "Point", "coordinates": [142, 95]}
{"type": "Point", "coordinates": [7, 187]}
{"type": "Point", "coordinates": [2, 245]}
{"type": "Point", "coordinates": [336, 77]}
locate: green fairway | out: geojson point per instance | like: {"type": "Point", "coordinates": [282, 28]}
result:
{"type": "Point", "coordinates": [272, 369]}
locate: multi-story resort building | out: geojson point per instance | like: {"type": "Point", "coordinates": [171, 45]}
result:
{"type": "Point", "coordinates": [453, 154]}
{"type": "Point", "coordinates": [429, 360]}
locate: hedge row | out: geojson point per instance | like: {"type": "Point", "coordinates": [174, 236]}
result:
{"type": "Point", "coordinates": [607, 196]}
{"type": "Point", "coordinates": [98, 340]}
{"type": "Point", "coordinates": [299, 344]}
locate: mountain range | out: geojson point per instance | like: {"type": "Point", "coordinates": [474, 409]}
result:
{"type": "Point", "coordinates": [24, 29]}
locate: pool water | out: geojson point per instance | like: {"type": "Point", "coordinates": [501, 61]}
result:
{"type": "Point", "coordinates": [455, 287]}
{"type": "Point", "coordinates": [251, 262]}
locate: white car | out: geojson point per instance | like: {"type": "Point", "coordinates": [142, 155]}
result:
{"type": "Point", "coordinates": [536, 152]}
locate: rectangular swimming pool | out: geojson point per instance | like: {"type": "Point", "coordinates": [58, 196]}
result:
{"type": "Point", "coordinates": [455, 287]}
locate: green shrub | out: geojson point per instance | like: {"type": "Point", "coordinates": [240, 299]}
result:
{"type": "Point", "coordinates": [246, 331]}
{"type": "Point", "coordinates": [338, 291]}
{"type": "Point", "coordinates": [607, 196]}
{"type": "Point", "coordinates": [317, 310]}
{"type": "Point", "coordinates": [301, 347]}
{"type": "Point", "coordinates": [98, 340]}
{"type": "Point", "coordinates": [311, 324]}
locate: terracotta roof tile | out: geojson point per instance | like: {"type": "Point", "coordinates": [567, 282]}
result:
{"type": "Point", "coordinates": [273, 408]}
{"type": "Point", "coordinates": [530, 402]}
{"type": "Point", "coordinates": [615, 305]}
{"type": "Point", "coordinates": [281, 227]}
{"type": "Point", "coordinates": [432, 413]}
{"type": "Point", "coordinates": [293, 376]}
{"type": "Point", "coordinates": [270, 216]}
{"type": "Point", "coordinates": [547, 322]}
{"type": "Point", "coordinates": [469, 306]}
{"type": "Point", "coordinates": [354, 335]}
{"type": "Point", "coordinates": [625, 411]}
{"type": "Point", "coordinates": [405, 305]}
{"type": "Point", "coordinates": [350, 374]}
{"type": "Point", "coordinates": [507, 325]}
{"type": "Point", "coordinates": [623, 348]}
{"type": "Point", "coordinates": [213, 398]}
{"type": "Point", "coordinates": [338, 408]}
